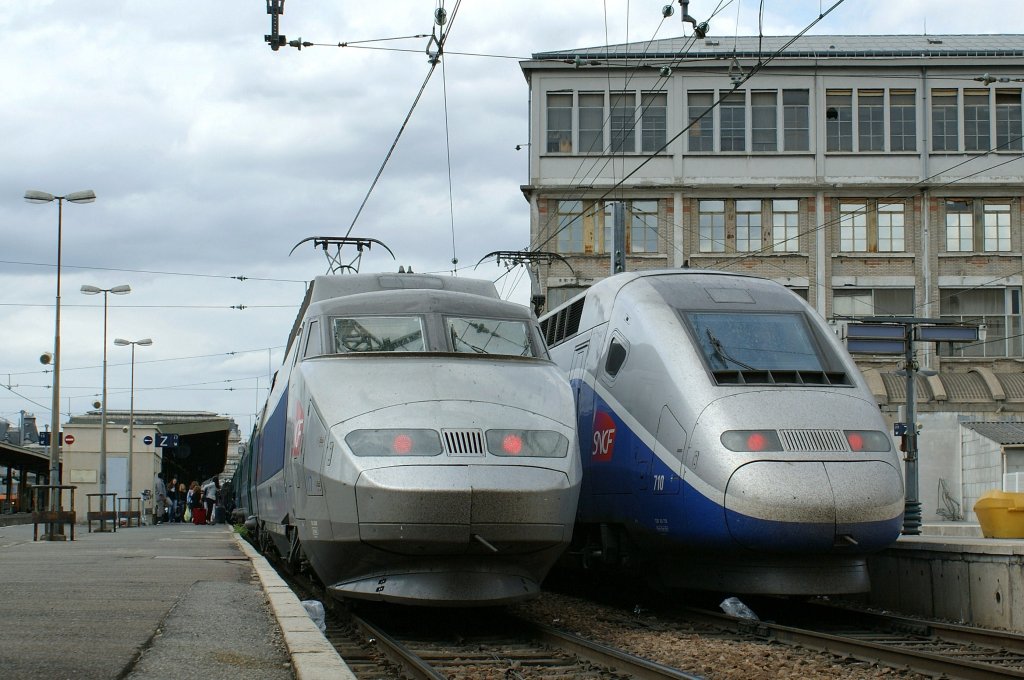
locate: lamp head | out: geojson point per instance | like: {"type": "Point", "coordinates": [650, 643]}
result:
{"type": "Point", "coordinates": [121, 342]}
{"type": "Point", "coordinates": [33, 196]}
{"type": "Point", "coordinates": [86, 196]}
{"type": "Point", "coordinates": [123, 289]}
{"type": "Point", "coordinates": [90, 290]}
{"type": "Point", "coordinates": [145, 342]}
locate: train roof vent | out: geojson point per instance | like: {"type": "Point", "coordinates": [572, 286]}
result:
{"type": "Point", "coordinates": [563, 324]}
{"type": "Point", "coordinates": [463, 442]}
{"type": "Point", "coordinates": [813, 440]}
{"type": "Point", "coordinates": [779, 377]}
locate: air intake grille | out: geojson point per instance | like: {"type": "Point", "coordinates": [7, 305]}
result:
{"type": "Point", "coordinates": [814, 440]}
{"type": "Point", "coordinates": [463, 442]}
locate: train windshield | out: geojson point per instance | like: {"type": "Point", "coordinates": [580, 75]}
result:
{"type": "Point", "coordinates": [378, 334]}
{"type": "Point", "coordinates": [755, 342]}
{"type": "Point", "coordinates": [490, 336]}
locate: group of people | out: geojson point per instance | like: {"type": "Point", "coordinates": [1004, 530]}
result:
{"type": "Point", "coordinates": [194, 504]}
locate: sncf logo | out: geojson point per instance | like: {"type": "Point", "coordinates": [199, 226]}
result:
{"type": "Point", "coordinates": [300, 421]}
{"type": "Point", "coordinates": [604, 438]}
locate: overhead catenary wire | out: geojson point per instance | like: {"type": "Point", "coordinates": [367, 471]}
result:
{"type": "Point", "coordinates": [440, 42]}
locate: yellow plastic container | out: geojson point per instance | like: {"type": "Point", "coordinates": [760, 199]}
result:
{"type": "Point", "coordinates": [1001, 514]}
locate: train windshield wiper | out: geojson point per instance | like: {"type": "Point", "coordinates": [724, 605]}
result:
{"type": "Point", "coordinates": [716, 345]}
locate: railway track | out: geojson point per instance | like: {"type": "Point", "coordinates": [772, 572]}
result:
{"type": "Point", "coordinates": [389, 641]}
{"type": "Point", "coordinates": [461, 644]}
{"type": "Point", "coordinates": [928, 647]}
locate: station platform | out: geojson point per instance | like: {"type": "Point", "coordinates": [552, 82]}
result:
{"type": "Point", "coordinates": [174, 601]}
{"type": "Point", "coordinates": [950, 571]}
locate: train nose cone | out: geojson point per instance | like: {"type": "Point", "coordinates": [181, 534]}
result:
{"type": "Point", "coordinates": [815, 506]}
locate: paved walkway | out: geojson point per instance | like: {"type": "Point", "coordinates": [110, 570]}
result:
{"type": "Point", "coordinates": [173, 601]}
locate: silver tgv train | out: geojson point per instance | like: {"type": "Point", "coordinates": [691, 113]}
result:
{"type": "Point", "coordinates": [418, 444]}
{"type": "Point", "coordinates": [728, 441]}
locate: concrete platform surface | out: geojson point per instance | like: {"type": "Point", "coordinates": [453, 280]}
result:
{"type": "Point", "coordinates": [173, 601]}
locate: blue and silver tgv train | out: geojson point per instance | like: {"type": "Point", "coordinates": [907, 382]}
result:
{"type": "Point", "coordinates": [418, 444]}
{"type": "Point", "coordinates": [728, 441]}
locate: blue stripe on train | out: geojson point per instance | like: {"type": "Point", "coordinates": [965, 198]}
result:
{"type": "Point", "coordinates": [625, 483]}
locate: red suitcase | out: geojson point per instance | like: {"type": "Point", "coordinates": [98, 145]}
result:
{"type": "Point", "coordinates": [198, 515]}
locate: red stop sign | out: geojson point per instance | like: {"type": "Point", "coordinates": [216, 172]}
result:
{"type": "Point", "coordinates": [69, 439]}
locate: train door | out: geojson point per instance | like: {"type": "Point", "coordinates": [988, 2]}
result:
{"type": "Point", "coordinates": [579, 363]}
{"type": "Point", "coordinates": [666, 475]}
{"type": "Point", "coordinates": [309, 489]}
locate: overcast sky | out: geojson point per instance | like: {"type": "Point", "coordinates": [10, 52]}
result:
{"type": "Point", "coordinates": [212, 155]}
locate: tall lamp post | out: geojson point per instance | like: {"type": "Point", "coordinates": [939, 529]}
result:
{"type": "Point", "coordinates": [93, 290]}
{"type": "Point", "coordinates": [131, 412]}
{"type": "Point", "coordinates": [33, 196]}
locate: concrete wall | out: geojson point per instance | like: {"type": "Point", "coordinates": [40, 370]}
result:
{"type": "Point", "coordinates": [973, 581]}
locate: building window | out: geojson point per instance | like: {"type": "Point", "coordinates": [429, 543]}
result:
{"type": "Point", "coordinates": [796, 120]}
{"type": "Point", "coordinates": [902, 121]}
{"type": "Point", "coordinates": [712, 226]}
{"type": "Point", "coordinates": [570, 227]}
{"type": "Point", "coordinates": [997, 308]}
{"type": "Point", "coordinates": [854, 302]}
{"type": "Point", "coordinates": [559, 123]}
{"type": "Point", "coordinates": [733, 116]}
{"type": "Point", "coordinates": [1008, 120]}
{"type": "Point", "coordinates": [977, 136]}
{"type": "Point", "coordinates": [891, 228]}
{"type": "Point", "coordinates": [701, 134]}
{"type": "Point", "coordinates": [586, 227]}
{"type": "Point", "coordinates": [623, 122]}
{"type": "Point", "coordinates": [853, 227]}
{"type": "Point", "coordinates": [997, 227]}
{"type": "Point", "coordinates": [944, 120]}
{"type": "Point", "coordinates": [870, 120]}
{"type": "Point", "coordinates": [977, 225]}
{"type": "Point", "coordinates": [785, 225]}
{"type": "Point", "coordinates": [763, 121]}
{"type": "Point", "coordinates": [871, 227]}
{"type": "Point", "coordinates": [591, 122]}
{"type": "Point", "coordinates": [654, 117]}
{"type": "Point", "coordinates": [642, 221]}
{"type": "Point", "coordinates": [739, 225]}
{"type": "Point", "coordinates": [959, 226]}
{"type": "Point", "coordinates": [839, 120]}
{"type": "Point", "coordinates": [748, 226]}
{"type": "Point", "coordinates": [561, 295]}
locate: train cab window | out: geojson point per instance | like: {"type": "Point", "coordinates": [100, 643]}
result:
{"type": "Point", "coordinates": [755, 341]}
{"type": "Point", "coordinates": [314, 346]}
{"type": "Point", "coordinates": [378, 334]}
{"type": "Point", "coordinates": [509, 337]}
{"type": "Point", "coordinates": [617, 351]}
{"type": "Point", "coordinates": [762, 348]}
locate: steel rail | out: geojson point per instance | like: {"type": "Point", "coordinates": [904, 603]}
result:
{"type": "Point", "coordinates": [900, 657]}
{"type": "Point", "coordinates": [634, 666]}
{"type": "Point", "coordinates": [396, 652]}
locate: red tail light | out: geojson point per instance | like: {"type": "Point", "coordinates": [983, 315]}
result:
{"type": "Point", "coordinates": [752, 440]}
{"type": "Point", "coordinates": [868, 440]}
{"type": "Point", "coordinates": [402, 444]}
{"type": "Point", "coordinates": [512, 444]}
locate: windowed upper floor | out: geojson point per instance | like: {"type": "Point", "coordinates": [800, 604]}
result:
{"type": "Point", "coordinates": [873, 119]}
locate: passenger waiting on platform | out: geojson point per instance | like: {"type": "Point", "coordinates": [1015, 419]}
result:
{"type": "Point", "coordinates": [210, 490]}
{"type": "Point", "coordinates": [159, 499]}
{"type": "Point", "coordinates": [172, 501]}
{"type": "Point", "coordinates": [182, 498]}
{"type": "Point", "coordinates": [193, 500]}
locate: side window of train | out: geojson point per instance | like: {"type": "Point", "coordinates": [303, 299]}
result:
{"type": "Point", "coordinates": [618, 350]}
{"type": "Point", "coordinates": [313, 345]}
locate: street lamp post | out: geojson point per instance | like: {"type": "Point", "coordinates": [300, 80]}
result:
{"type": "Point", "coordinates": [33, 196]}
{"type": "Point", "coordinates": [131, 411]}
{"type": "Point", "coordinates": [93, 290]}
